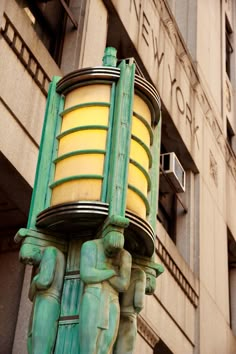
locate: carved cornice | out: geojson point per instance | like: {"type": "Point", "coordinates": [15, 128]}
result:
{"type": "Point", "coordinates": [182, 52]}
{"type": "Point", "coordinates": [228, 98]}
{"type": "Point", "coordinates": [178, 275]}
{"type": "Point", "coordinates": [24, 54]}
{"type": "Point", "coordinates": [213, 168]}
{"type": "Point", "coordinates": [146, 331]}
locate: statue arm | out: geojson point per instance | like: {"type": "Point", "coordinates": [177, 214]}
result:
{"type": "Point", "coordinates": [47, 269]}
{"type": "Point", "coordinates": [139, 292]}
{"type": "Point", "coordinates": [33, 289]}
{"type": "Point", "coordinates": [121, 281]}
{"type": "Point", "coordinates": [88, 271]}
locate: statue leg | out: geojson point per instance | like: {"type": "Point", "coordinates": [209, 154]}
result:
{"type": "Point", "coordinates": [108, 336]}
{"type": "Point", "coordinates": [89, 317]}
{"type": "Point", "coordinates": [44, 326]}
{"type": "Point", "coordinates": [126, 335]}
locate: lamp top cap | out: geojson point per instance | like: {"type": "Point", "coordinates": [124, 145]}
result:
{"type": "Point", "coordinates": [109, 58]}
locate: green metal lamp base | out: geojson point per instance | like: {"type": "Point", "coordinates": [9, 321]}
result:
{"type": "Point", "coordinates": [69, 218]}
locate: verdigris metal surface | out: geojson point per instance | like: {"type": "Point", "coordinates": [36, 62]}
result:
{"type": "Point", "coordinates": [71, 218]}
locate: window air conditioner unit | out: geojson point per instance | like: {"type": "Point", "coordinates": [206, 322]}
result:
{"type": "Point", "coordinates": [172, 174]}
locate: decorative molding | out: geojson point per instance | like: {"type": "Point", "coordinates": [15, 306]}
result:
{"type": "Point", "coordinates": [178, 43]}
{"type": "Point", "coordinates": [146, 331]}
{"type": "Point", "coordinates": [228, 4]}
{"type": "Point", "coordinates": [228, 98]}
{"type": "Point", "coordinates": [171, 30]}
{"type": "Point", "coordinates": [24, 54]}
{"type": "Point", "coordinates": [213, 168]}
{"type": "Point", "coordinates": [178, 275]}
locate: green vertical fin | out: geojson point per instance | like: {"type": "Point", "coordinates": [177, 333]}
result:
{"type": "Point", "coordinates": [108, 145]}
{"type": "Point", "coordinates": [57, 130]}
{"type": "Point", "coordinates": [45, 154]}
{"type": "Point", "coordinates": [121, 138]}
{"type": "Point", "coordinates": [154, 175]}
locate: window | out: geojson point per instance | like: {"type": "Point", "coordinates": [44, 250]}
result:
{"type": "Point", "coordinates": [232, 280]}
{"type": "Point", "coordinates": [48, 19]}
{"type": "Point", "coordinates": [167, 213]}
{"type": "Point", "coordinates": [161, 348]}
{"type": "Point", "coordinates": [230, 133]}
{"type": "Point", "coordinates": [167, 203]}
{"type": "Point", "coordinates": [228, 47]}
{"type": "Point", "coordinates": [179, 211]}
{"type": "Point", "coordinates": [172, 182]}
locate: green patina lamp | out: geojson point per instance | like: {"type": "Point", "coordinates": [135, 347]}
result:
{"type": "Point", "coordinates": [97, 174]}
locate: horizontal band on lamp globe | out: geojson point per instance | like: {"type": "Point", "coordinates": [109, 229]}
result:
{"type": "Point", "coordinates": [84, 127]}
{"type": "Point", "coordinates": [143, 120]}
{"type": "Point", "coordinates": [146, 148]}
{"type": "Point", "coordinates": [140, 167]}
{"type": "Point", "coordinates": [109, 74]}
{"type": "Point", "coordinates": [79, 152]}
{"type": "Point", "coordinates": [97, 73]}
{"type": "Point", "coordinates": [142, 196]}
{"type": "Point", "coordinates": [148, 91]}
{"type": "Point", "coordinates": [74, 178]}
{"type": "Point", "coordinates": [84, 105]}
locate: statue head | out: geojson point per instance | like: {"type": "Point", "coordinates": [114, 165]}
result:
{"type": "Point", "coordinates": [30, 254]}
{"type": "Point", "coordinates": [113, 243]}
{"type": "Point", "coordinates": [150, 280]}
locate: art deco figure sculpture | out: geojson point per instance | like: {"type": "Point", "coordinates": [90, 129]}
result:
{"type": "Point", "coordinates": [45, 292]}
{"type": "Point", "coordinates": [132, 302]}
{"type": "Point", "coordinates": [105, 269]}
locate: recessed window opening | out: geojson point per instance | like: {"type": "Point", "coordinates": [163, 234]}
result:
{"type": "Point", "coordinates": [172, 180]}
{"type": "Point", "coordinates": [228, 47]}
{"type": "Point", "coordinates": [48, 18]}
{"type": "Point", "coordinates": [232, 280]}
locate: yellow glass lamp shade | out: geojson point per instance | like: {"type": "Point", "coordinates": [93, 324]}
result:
{"type": "Point", "coordinates": [88, 93]}
{"type": "Point", "coordinates": [79, 164]}
{"type": "Point", "coordinates": [140, 158]}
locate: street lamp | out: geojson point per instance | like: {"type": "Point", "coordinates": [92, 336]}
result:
{"type": "Point", "coordinates": [98, 167]}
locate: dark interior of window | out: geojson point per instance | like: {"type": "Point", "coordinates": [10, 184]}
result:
{"type": "Point", "coordinates": [48, 19]}
{"type": "Point", "coordinates": [231, 268]}
{"type": "Point", "coordinates": [167, 206]}
{"type": "Point", "coordinates": [161, 348]}
{"type": "Point", "coordinates": [230, 133]}
{"type": "Point", "coordinates": [228, 47]}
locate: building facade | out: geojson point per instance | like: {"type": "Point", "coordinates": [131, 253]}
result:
{"type": "Point", "coordinates": [186, 49]}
